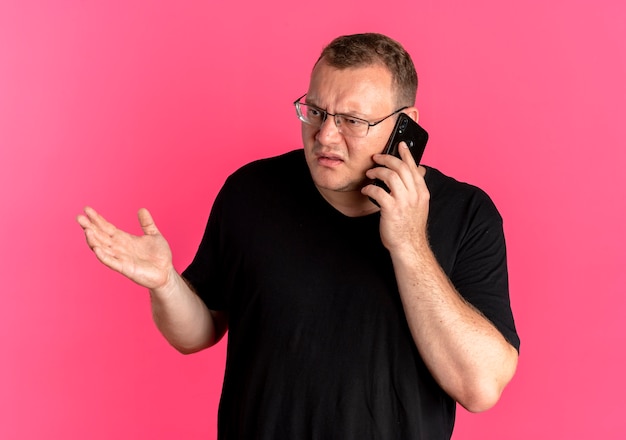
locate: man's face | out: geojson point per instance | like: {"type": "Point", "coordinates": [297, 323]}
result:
{"type": "Point", "coordinates": [338, 163]}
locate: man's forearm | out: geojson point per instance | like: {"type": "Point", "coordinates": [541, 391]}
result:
{"type": "Point", "coordinates": [183, 318]}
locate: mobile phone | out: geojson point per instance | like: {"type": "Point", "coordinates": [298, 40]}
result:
{"type": "Point", "coordinates": [415, 137]}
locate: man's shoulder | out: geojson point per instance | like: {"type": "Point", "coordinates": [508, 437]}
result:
{"type": "Point", "coordinates": [449, 193]}
{"type": "Point", "coordinates": [438, 181]}
{"type": "Point", "coordinates": [289, 161]}
{"type": "Point", "coordinates": [268, 174]}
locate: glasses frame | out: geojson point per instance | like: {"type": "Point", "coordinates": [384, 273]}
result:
{"type": "Point", "coordinates": [326, 114]}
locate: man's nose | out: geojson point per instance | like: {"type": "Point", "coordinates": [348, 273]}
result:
{"type": "Point", "coordinates": [328, 129]}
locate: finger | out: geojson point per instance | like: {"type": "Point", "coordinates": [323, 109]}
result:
{"type": "Point", "coordinates": [377, 193]}
{"type": "Point", "coordinates": [92, 233]}
{"type": "Point", "coordinates": [401, 164]}
{"type": "Point", "coordinates": [147, 222]}
{"type": "Point", "coordinates": [99, 222]}
{"type": "Point", "coordinates": [92, 238]}
{"type": "Point", "coordinates": [394, 178]}
{"type": "Point", "coordinates": [382, 173]}
{"type": "Point", "coordinates": [387, 160]}
{"type": "Point", "coordinates": [405, 155]}
{"type": "Point", "coordinates": [83, 221]}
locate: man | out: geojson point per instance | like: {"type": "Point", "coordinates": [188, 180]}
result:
{"type": "Point", "coordinates": [346, 319]}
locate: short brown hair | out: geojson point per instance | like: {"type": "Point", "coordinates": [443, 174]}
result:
{"type": "Point", "coordinates": [360, 50]}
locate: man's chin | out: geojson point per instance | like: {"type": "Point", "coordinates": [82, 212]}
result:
{"type": "Point", "coordinates": [335, 179]}
{"type": "Point", "coordinates": [338, 186]}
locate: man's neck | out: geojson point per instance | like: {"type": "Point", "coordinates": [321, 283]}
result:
{"type": "Point", "coordinates": [349, 203]}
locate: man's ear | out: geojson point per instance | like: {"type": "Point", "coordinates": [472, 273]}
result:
{"type": "Point", "coordinates": [412, 112]}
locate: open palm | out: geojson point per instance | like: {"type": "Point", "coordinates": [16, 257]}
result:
{"type": "Point", "coordinates": [145, 259]}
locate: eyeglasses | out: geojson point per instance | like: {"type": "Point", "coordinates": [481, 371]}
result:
{"type": "Point", "coordinates": [346, 125]}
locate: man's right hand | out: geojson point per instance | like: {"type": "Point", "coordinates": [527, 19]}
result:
{"type": "Point", "coordinates": [146, 259]}
{"type": "Point", "coordinates": [181, 316]}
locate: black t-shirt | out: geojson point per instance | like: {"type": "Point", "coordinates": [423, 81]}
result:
{"type": "Point", "coordinates": [318, 343]}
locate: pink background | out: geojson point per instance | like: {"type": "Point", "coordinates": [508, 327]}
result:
{"type": "Point", "coordinates": [124, 104]}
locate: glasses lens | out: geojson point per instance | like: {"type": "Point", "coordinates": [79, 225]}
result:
{"type": "Point", "coordinates": [346, 125]}
{"type": "Point", "coordinates": [351, 126]}
{"type": "Point", "coordinates": [311, 115]}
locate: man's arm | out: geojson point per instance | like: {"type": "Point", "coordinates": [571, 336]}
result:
{"type": "Point", "coordinates": [465, 353]}
{"type": "Point", "coordinates": [180, 315]}
{"type": "Point", "coordinates": [183, 318]}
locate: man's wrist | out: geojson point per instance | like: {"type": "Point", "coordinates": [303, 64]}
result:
{"type": "Point", "coordinates": [169, 287]}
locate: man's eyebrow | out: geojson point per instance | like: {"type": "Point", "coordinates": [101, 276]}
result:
{"type": "Point", "coordinates": [353, 114]}
{"type": "Point", "coordinates": [308, 101]}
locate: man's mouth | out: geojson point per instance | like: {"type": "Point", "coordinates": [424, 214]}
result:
{"type": "Point", "coordinates": [329, 159]}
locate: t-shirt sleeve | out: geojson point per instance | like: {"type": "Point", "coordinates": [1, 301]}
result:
{"type": "Point", "coordinates": [205, 271]}
{"type": "Point", "coordinates": [480, 272]}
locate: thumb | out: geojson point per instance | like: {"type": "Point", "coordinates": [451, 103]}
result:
{"type": "Point", "coordinates": [147, 223]}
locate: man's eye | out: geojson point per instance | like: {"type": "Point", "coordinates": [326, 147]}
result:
{"type": "Point", "coordinates": [351, 121]}
{"type": "Point", "coordinates": [313, 112]}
